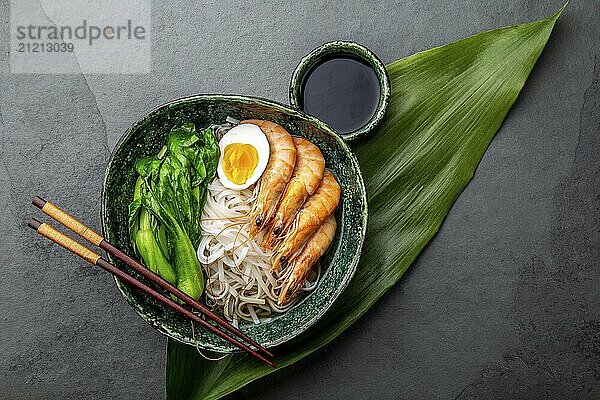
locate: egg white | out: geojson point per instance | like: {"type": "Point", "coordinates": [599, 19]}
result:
{"type": "Point", "coordinates": [245, 134]}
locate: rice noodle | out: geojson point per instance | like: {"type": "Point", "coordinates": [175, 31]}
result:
{"type": "Point", "coordinates": [239, 278]}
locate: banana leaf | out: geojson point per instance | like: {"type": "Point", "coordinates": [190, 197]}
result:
{"type": "Point", "coordinates": [447, 104]}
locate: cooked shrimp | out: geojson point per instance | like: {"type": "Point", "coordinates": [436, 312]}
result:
{"type": "Point", "coordinates": [308, 173]}
{"type": "Point", "coordinates": [318, 207]}
{"type": "Point", "coordinates": [271, 186]}
{"type": "Point", "coordinates": [297, 271]}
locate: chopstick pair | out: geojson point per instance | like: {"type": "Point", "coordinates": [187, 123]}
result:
{"type": "Point", "coordinates": [85, 232]}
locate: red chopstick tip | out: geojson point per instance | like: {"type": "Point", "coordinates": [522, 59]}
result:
{"type": "Point", "coordinates": [34, 223]}
{"type": "Point", "coordinates": [38, 202]}
{"type": "Point", "coordinates": [267, 352]}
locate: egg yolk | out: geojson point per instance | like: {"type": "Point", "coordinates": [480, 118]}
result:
{"type": "Point", "coordinates": [239, 162]}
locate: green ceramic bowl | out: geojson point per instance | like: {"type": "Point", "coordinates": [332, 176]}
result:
{"type": "Point", "coordinates": [148, 135]}
{"type": "Point", "coordinates": [337, 48]}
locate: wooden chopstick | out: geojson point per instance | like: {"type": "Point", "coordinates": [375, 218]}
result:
{"type": "Point", "coordinates": [77, 248]}
{"type": "Point", "coordinates": [91, 236]}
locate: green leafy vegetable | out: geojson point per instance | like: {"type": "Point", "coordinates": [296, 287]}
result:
{"type": "Point", "coordinates": [447, 104]}
{"type": "Point", "coordinates": [164, 217]}
{"type": "Point", "coordinates": [151, 247]}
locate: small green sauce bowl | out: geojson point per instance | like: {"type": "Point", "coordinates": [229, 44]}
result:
{"type": "Point", "coordinates": [344, 48]}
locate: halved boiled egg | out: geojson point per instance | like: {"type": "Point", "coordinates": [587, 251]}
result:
{"type": "Point", "coordinates": [244, 156]}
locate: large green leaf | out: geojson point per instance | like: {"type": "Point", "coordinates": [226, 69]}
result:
{"type": "Point", "coordinates": [447, 104]}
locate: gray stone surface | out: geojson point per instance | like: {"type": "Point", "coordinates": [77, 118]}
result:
{"type": "Point", "coordinates": [503, 304]}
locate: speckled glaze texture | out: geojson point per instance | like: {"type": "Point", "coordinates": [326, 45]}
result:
{"type": "Point", "coordinates": [148, 135]}
{"type": "Point", "coordinates": [344, 48]}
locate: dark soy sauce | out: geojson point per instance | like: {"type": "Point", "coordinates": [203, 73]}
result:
{"type": "Point", "coordinates": [343, 91]}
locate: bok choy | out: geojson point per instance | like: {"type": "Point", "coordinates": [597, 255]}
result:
{"type": "Point", "coordinates": [164, 216]}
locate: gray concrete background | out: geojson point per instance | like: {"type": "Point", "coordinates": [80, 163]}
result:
{"type": "Point", "coordinates": [503, 304]}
